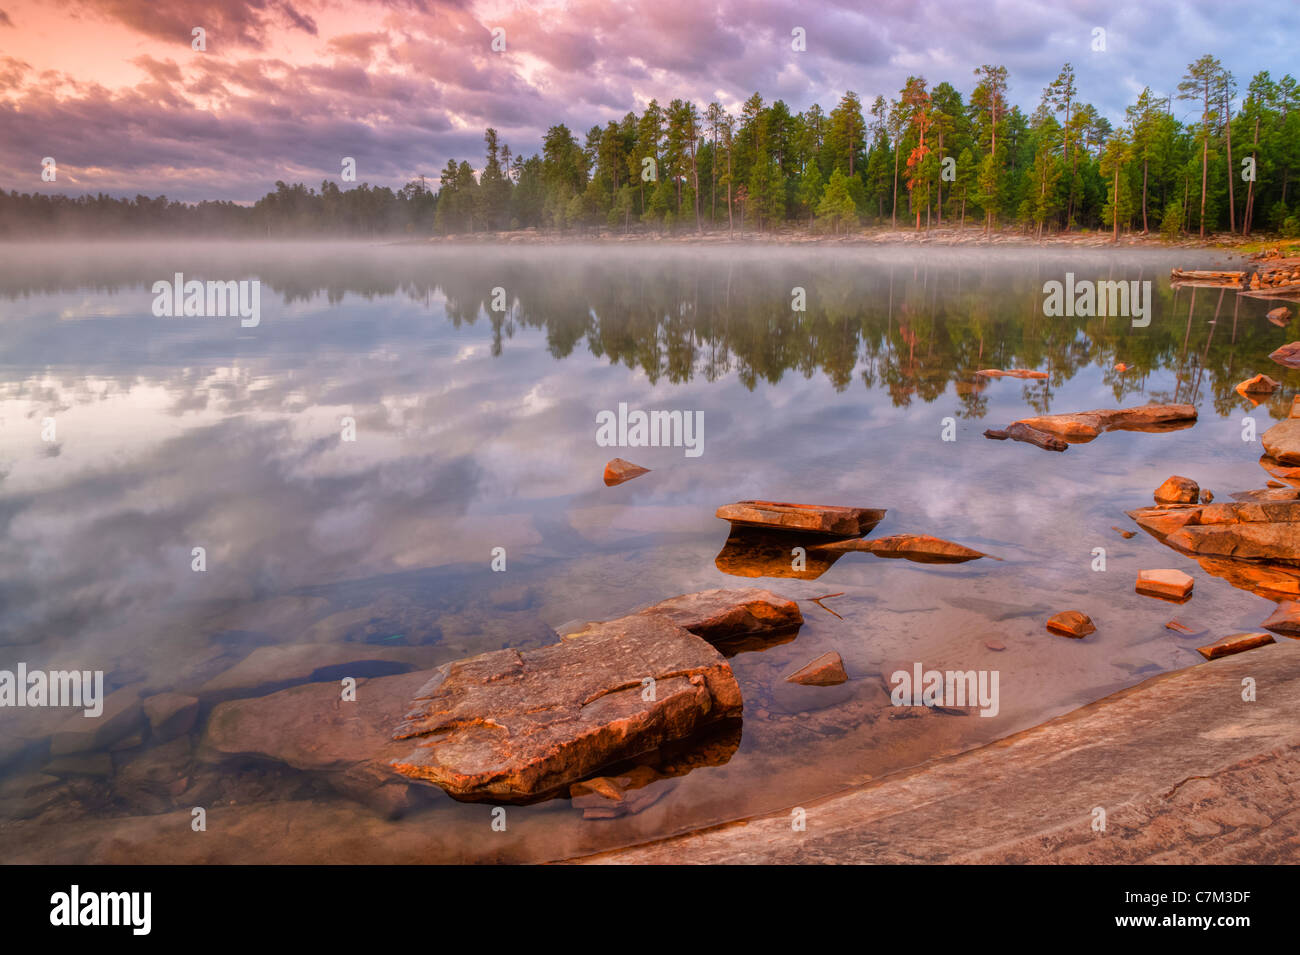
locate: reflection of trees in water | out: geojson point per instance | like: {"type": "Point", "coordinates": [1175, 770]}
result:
{"type": "Point", "coordinates": [911, 329]}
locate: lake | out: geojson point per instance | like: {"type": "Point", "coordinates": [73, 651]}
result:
{"type": "Point", "coordinates": [350, 466]}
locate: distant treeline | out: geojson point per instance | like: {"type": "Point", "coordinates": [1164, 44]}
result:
{"type": "Point", "coordinates": [926, 158]}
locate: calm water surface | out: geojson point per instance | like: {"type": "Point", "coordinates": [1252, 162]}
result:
{"type": "Point", "coordinates": [475, 430]}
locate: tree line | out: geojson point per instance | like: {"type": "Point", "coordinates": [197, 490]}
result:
{"type": "Point", "coordinates": [923, 159]}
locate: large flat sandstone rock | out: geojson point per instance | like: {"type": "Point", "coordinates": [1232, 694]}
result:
{"type": "Point", "coordinates": [518, 725]}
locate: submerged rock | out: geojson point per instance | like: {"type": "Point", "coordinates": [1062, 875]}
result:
{"type": "Point", "coordinates": [1178, 490]}
{"type": "Point", "coordinates": [313, 729]}
{"type": "Point", "coordinates": [1081, 426]}
{"type": "Point", "coordinates": [122, 718]}
{"type": "Point", "coordinates": [619, 471]}
{"type": "Point", "coordinates": [518, 725]}
{"type": "Point", "coordinates": [1236, 643]}
{"type": "Point", "coordinates": [268, 669]}
{"type": "Point", "coordinates": [624, 794]}
{"type": "Point", "coordinates": [170, 714]}
{"type": "Point", "coordinates": [1071, 623]}
{"type": "Point", "coordinates": [1164, 583]}
{"type": "Point", "coordinates": [826, 670]}
{"type": "Point", "coordinates": [830, 520]}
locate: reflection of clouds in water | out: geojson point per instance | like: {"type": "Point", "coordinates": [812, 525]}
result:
{"type": "Point", "coordinates": [190, 434]}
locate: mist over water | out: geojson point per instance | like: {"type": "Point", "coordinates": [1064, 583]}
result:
{"type": "Point", "coordinates": [475, 429]}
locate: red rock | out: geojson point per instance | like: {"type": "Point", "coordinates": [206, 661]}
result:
{"type": "Point", "coordinates": [1261, 530]}
{"type": "Point", "coordinates": [1014, 373]}
{"type": "Point", "coordinates": [826, 670]}
{"type": "Point", "coordinates": [1207, 497]}
{"type": "Point", "coordinates": [831, 520]}
{"type": "Point", "coordinates": [1179, 627]}
{"type": "Point", "coordinates": [1259, 385]}
{"type": "Point", "coordinates": [517, 725]}
{"type": "Point", "coordinates": [1123, 533]}
{"type": "Point", "coordinates": [1288, 355]}
{"type": "Point", "coordinates": [921, 548]}
{"type": "Point", "coordinates": [1285, 619]}
{"type": "Point", "coordinates": [997, 645]}
{"type": "Point", "coordinates": [1279, 316]}
{"type": "Point", "coordinates": [1121, 367]}
{"type": "Point", "coordinates": [1237, 643]}
{"type": "Point", "coordinates": [722, 615]}
{"type": "Point", "coordinates": [1282, 442]}
{"type": "Point", "coordinates": [1164, 583]}
{"type": "Point", "coordinates": [1178, 490]}
{"type": "Point", "coordinates": [619, 471]}
{"type": "Point", "coordinates": [1071, 623]}
{"type": "Point", "coordinates": [1086, 425]}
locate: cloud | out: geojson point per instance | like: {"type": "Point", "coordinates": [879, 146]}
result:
{"type": "Point", "coordinates": [288, 87]}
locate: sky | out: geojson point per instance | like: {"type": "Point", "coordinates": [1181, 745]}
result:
{"type": "Point", "coordinates": [114, 91]}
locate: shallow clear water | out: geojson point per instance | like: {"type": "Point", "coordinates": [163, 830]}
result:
{"type": "Point", "coordinates": [476, 430]}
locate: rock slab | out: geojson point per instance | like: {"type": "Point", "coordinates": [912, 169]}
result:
{"type": "Point", "coordinates": [518, 725]}
{"type": "Point", "coordinates": [828, 519]}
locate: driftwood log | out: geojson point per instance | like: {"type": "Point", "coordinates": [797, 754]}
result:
{"type": "Point", "coordinates": [1018, 431]}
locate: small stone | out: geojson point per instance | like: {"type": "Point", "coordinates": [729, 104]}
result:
{"type": "Point", "coordinates": [1179, 627]}
{"type": "Point", "coordinates": [1071, 623]}
{"type": "Point", "coordinates": [826, 670]}
{"type": "Point", "coordinates": [1207, 497]}
{"type": "Point", "coordinates": [1123, 533]}
{"type": "Point", "coordinates": [1259, 385]}
{"type": "Point", "coordinates": [1236, 643]}
{"type": "Point", "coordinates": [619, 471]}
{"type": "Point", "coordinates": [1164, 583]}
{"type": "Point", "coordinates": [1279, 316]}
{"type": "Point", "coordinates": [1178, 490]}
{"type": "Point", "coordinates": [995, 645]}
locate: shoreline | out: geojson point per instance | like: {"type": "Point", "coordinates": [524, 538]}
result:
{"type": "Point", "coordinates": [943, 237]}
{"type": "Point", "coordinates": [1185, 770]}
